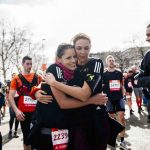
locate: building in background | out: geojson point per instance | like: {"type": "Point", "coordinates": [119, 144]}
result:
{"type": "Point", "coordinates": [126, 58]}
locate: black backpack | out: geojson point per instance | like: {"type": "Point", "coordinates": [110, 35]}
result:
{"type": "Point", "coordinates": [26, 84]}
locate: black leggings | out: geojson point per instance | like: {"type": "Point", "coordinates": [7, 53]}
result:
{"type": "Point", "coordinates": [12, 118]}
{"type": "Point", "coordinates": [0, 141]}
{"type": "Point", "coordinates": [25, 126]}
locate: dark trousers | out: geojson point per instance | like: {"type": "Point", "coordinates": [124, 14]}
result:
{"type": "Point", "coordinates": [12, 118]}
{"type": "Point", "coordinates": [0, 141]}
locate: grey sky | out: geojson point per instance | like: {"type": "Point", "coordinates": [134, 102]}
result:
{"type": "Point", "coordinates": [109, 23]}
{"type": "Point", "coordinates": [20, 2]}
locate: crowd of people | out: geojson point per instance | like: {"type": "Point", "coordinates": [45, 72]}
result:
{"type": "Point", "coordinates": [78, 104]}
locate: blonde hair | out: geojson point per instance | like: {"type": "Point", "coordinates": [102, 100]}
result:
{"type": "Point", "coordinates": [109, 56]}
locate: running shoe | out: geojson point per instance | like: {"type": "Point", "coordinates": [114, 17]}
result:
{"type": "Point", "coordinates": [10, 135]}
{"type": "Point", "coordinates": [15, 135]}
{"type": "Point", "coordinates": [131, 112]}
{"type": "Point", "coordinates": [148, 119]}
{"type": "Point", "coordinates": [139, 110]}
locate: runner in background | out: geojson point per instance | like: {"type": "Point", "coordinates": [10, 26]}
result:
{"type": "Point", "coordinates": [2, 101]}
{"type": "Point", "coordinates": [137, 89]}
{"type": "Point", "coordinates": [113, 87]}
{"type": "Point", "coordinates": [22, 84]}
{"type": "Point", "coordinates": [128, 89]}
{"type": "Point", "coordinates": [11, 112]}
{"type": "Point", "coordinates": [0, 131]}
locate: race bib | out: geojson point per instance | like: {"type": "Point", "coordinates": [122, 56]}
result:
{"type": "Point", "coordinates": [29, 101]}
{"type": "Point", "coordinates": [114, 85]}
{"type": "Point", "coordinates": [129, 84]}
{"type": "Point", "coordinates": [59, 139]}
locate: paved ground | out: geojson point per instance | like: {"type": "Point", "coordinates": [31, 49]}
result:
{"type": "Point", "coordinates": [137, 132]}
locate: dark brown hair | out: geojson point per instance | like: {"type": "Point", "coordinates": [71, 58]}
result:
{"type": "Point", "coordinates": [26, 58]}
{"type": "Point", "coordinates": [62, 48]}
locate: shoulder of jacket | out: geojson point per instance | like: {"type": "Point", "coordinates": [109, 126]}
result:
{"type": "Point", "coordinates": [94, 60]}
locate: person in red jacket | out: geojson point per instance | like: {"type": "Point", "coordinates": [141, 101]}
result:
{"type": "Point", "coordinates": [22, 84]}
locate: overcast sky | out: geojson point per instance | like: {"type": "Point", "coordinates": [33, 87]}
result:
{"type": "Point", "coordinates": [109, 23]}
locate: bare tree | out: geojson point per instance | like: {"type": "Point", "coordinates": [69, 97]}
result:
{"type": "Point", "coordinates": [21, 46]}
{"type": "Point", "coordinates": [14, 43]}
{"type": "Point", "coordinates": [36, 52]}
{"type": "Point", "coordinates": [117, 53]}
{"type": "Point", "coordinates": [7, 41]}
{"type": "Point", "coordinates": [137, 43]}
{"type": "Point", "coordinates": [123, 61]}
{"type": "Point", "coordinates": [142, 51]}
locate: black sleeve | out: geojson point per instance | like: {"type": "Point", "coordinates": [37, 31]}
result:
{"type": "Point", "coordinates": [121, 76]}
{"type": "Point", "coordinates": [56, 71]}
{"type": "Point", "coordinates": [94, 76]}
{"type": "Point", "coordinates": [93, 81]}
{"type": "Point", "coordinates": [125, 83]}
{"type": "Point", "coordinates": [144, 81]}
{"type": "Point", "coordinates": [145, 64]}
{"type": "Point", "coordinates": [146, 93]}
{"type": "Point", "coordinates": [104, 82]}
{"type": "Point", "coordinates": [96, 66]}
{"type": "Point", "coordinates": [144, 76]}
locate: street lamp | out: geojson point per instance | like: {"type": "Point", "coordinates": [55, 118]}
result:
{"type": "Point", "coordinates": [29, 46]}
{"type": "Point", "coordinates": [43, 56]}
{"type": "Point", "coordinates": [43, 43]}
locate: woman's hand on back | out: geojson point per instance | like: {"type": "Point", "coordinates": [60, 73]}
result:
{"type": "Point", "coordinates": [42, 97]}
{"type": "Point", "coordinates": [99, 99]}
{"type": "Point", "coordinates": [49, 78]}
